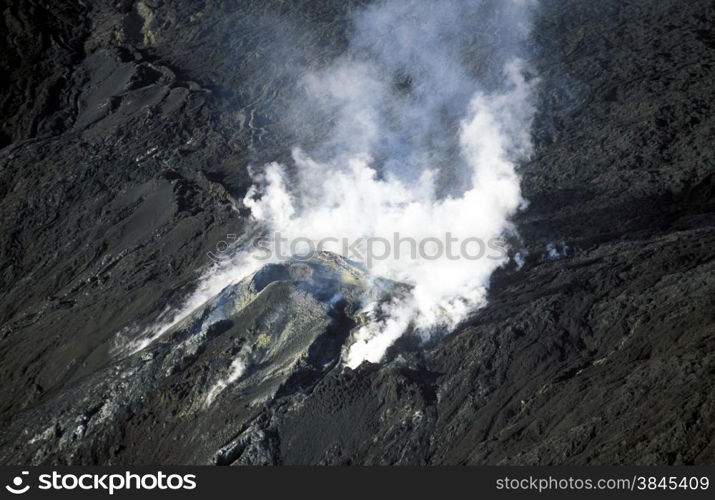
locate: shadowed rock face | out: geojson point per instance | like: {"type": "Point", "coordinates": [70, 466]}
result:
{"type": "Point", "coordinates": [126, 135]}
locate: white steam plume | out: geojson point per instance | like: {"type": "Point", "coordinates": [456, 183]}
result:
{"type": "Point", "coordinates": [428, 111]}
{"type": "Point", "coordinates": [351, 201]}
{"type": "Point", "coordinates": [388, 169]}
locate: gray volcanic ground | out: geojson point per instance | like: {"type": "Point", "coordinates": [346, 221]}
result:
{"type": "Point", "coordinates": [137, 137]}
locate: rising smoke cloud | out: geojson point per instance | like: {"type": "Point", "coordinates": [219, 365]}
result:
{"type": "Point", "coordinates": [428, 110]}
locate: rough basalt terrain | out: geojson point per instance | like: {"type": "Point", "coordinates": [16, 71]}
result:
{"type": "Point", "coordinates": [127, 131]}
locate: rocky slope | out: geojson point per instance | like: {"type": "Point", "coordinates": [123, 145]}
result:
{"type": "Point", "coordinates": [126, 135]}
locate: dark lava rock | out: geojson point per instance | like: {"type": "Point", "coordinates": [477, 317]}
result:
{"type": "Point", "coordinates": [127, 130]}
{"type": "Point", "coordinates": [280, 330]}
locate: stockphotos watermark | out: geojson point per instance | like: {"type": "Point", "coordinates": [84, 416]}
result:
{"type": "Point", "coordinates": [367, 250]}
{"type": "Point", "coordinates": [108, 483]}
